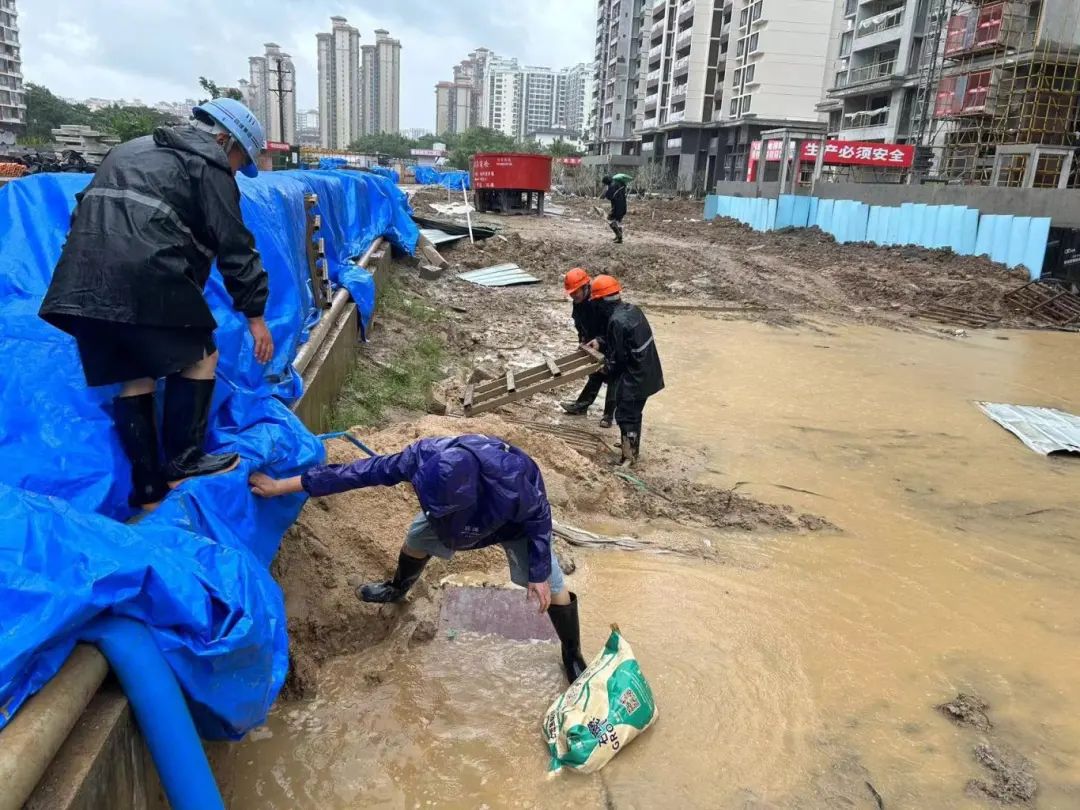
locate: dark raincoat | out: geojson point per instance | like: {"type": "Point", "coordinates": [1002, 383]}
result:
{"type": "Point", "coordinates": [616, 193]}
{"type": "Point", "coordinates": [145, 232]}
{"type": "Point", "coordinates": [633, 362]}
{"type": "Point", "coordinates": [589, 321]}
{"type": "Point", "coordinates": [475, 490]}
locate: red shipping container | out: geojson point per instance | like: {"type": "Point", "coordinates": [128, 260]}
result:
{"type": "Point", "coordinates": [514, 171]}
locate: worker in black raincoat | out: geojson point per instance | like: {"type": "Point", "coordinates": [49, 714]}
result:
{"type": "Point", "coordinates": [129, 285]}
{"type": "Point", "coordinates": [590, 324]}
{"type": "Point", "coordinates": [633, 364]}
{"type": "Point", "coordinates": [615, 192]}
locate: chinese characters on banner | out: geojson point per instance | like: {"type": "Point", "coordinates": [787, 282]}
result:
{"type": "Point", "coordinates": [857, 153]}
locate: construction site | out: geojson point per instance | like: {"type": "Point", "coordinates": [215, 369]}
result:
{"type": "Point", "coordinates": [842, 542]}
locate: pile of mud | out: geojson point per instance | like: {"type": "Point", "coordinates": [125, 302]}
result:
{"type": "Point", "coordinates": [355, 537]}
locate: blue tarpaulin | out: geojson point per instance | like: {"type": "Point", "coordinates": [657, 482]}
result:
{"type": "Point", "coordinates": [196, 570]}
{"type": "Point", "coordinates": [454, 179]}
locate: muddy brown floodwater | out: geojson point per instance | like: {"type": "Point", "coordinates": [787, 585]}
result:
{"type": "Point", "coordinates": [802, 669]}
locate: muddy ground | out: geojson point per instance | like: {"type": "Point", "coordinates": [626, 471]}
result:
{"type": "Point", "coordinates": [351, 538]}
{"type": "Point", "coordinates": [670, 261]}
{"type": "Point", "coordinates": [671, 256]}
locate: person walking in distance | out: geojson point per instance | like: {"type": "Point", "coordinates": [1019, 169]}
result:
{"type": "Point", "coordinates": [590, 326]}
{"type": "Point", "coordinates": [615, 192]}
{"type": "Point", "coordinates": [633, 364]}
{"type": "Point", "coordinates": [474, 491]}
{"type": "Point", "coordinates": [129, 285]}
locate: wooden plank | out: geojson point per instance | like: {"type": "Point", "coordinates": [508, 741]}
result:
{"type": "Point", "coordinates": [468, 399]}
{"type": "Point", "coordinates": [533, 374]}
{"type": "Point", "coordinates": [539, 388]}
{"type": "Point", "coordinates": [593, 353]}
{"type": "Point", "coordinates": [553, 367]}
{"type": "Point", "coordinates": [510, 388]}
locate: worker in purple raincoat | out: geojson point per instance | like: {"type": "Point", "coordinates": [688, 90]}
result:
{"type": "Point", "coordinates": [474, 491]}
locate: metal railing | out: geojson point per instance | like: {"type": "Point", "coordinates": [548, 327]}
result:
{"type": "Point", "coordinates": [866, 118]}
{"type": "Point", "coordinates": [678, 91]}
{"type": "Point", "coordinates": [868, 73]}
{"type": "Point", "coordinates": [879, 23]}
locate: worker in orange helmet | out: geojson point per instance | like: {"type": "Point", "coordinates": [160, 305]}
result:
{"type": "Point", "coordinates": [590, 326]}
{"type": "Point", "coordinates": [633, 364]}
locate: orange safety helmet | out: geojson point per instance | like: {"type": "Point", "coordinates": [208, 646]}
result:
{"type": "Point", "coordinates": [603, 286]}
{"type": "Point", "coordinates": [575, 280]}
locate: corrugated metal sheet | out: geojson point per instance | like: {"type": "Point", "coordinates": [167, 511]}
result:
{"type": "Point", "coordinates": [437, 237]}
{"type": "Point", "coordinates": [500, 275]}
{"type": "Point", "coordinates": [1044, 430]}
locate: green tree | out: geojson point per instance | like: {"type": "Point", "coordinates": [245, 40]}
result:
{"type": "Point", "coordinates": [384, 143]}
{"type": "Point", "coordinates": [479, 139]}
{"type": "Point", "coordinates": [130, 122]}
{"type": "Point", "coordinates": [46, 112]}
{"type": "Point", "coordinates": [560, 148]}
{"type": "Point", "coordinates": [211, 87]}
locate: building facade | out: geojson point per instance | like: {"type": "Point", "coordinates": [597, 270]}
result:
{"type": "Point", "coordinates": [617, 65]}
{"type": "Point", "coordinates": [12, 95]}
{"type": "Point", "coordinates": [459, 103]}
{"type": "Point", "coordinates": [380, 95]}
{"type": "Point", "coordinates": [575, 98]}
{"type": "Point", "coordinates": [339, 85]}
{"type": "Point", "coordinates": [271, 93]}
{"type": "Point", "coordinates": [307, 127]}
{"type": "Point", "coordinates": [714, 74]}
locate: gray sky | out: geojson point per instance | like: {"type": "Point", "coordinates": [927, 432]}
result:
{"type": "Point", "coordinates": [155, 50]}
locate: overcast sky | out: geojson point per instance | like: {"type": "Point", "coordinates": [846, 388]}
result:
{"type": "Point", "coordinates": [155, 50]}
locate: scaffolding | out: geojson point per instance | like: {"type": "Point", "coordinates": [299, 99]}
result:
{"type": "Point", "coordinates": [1009, 83]}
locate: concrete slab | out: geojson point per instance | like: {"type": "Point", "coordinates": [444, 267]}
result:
{"type": "Point", "coordinates": [494, 611]}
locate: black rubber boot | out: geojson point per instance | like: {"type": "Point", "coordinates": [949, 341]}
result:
{"type": "Point", "coordinates": [187, 416]}
{"type": "Point", "coordinates": [575, 408]}
{"type": "Point", "coordinates": [394, 590]}
{"type": "Point", "coordinates": [606, 422]}
{"type": "Point", "coordinates": [617, 228]}
{"type": "Point", "coordinates": [136, 422]}
{"type": "Point", "coordinates": [628, 449]}
{"type": "Point", "coordinates": [564, 618]}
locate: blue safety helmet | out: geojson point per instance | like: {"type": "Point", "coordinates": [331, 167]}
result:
{"type": "Point", "coordinates": [241, 123]}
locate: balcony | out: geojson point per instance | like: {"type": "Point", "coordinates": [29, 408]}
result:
{"type": "Point", "coordinates": [862, 119]}
{"type": "Point", "coordinates": [651, 101]}
{"type": "Point", "coordinates": [683, 39]}
{"type": "Point", "coordinates": [676, 117]}
{"type": "Point", "coordinates": [647, 146]}
{"type": "Point", "coordinates": [868, 73]}
{"type": "Point", "coordinates": [649, 123]}
{"type": "Point", "coordinates": [653, 77]}
{"type": "Point", "coordinates": [681, 67]}
{"type": "Point", "coordinates": [686, 11]}
{"type": "Point", "coordinates": [659, 7]}
{"type": "Point", "coordinates": [879, 28]}
{"type": "Point", "coordinates": [657, 28]}
{"type": "Point", "coordinates": [654, 52]}
{"type": "Point", "coordinates": [678, 92]}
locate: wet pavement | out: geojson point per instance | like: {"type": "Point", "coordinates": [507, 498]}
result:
{"type": "Point", "coordinates": [803, 671]}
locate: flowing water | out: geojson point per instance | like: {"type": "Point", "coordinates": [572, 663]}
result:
{"type": "Point", "coordinates": [804, 668]}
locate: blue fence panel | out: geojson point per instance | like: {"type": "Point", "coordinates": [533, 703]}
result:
{"type": "Point", "coordinates": [1012, 241]}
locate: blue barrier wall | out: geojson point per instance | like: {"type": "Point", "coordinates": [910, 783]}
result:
{"type": "Point", "coordinates": [1012, 241]}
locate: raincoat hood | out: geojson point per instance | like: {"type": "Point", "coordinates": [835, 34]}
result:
{"type": "Point", "coordinates": [449, 481]}
{"type": "Point", "coordinates": [188, 139]}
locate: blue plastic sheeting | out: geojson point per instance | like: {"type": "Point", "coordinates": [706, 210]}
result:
{"type": "Point", "coordinates": [387, 172]}
{"type": "Point", "coordinates": [196, 570]}
{"type": "Point", "coordinates": [355, 208]}
{"type": "Point", "coordinates": [1013, 241]}
{"type": "Point", "coordinates": [455, 179]}
{"type": "Point", "coordinates": [332, 163]}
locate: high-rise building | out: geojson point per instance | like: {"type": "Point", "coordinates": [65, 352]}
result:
{"type": "Point", "coordinates": [339, 85]}
{"type": "Point", "coordinates": [271, 93]}
{"type": "Point", "coordinates": [307, 127]}
{"type": "Point", "coordinates": [619, 26]}
{"type": "Point", "coordinates": [380, 73]}
{"type": "Point", "coordinates": [459, 103]}
{"type": "Point", "coordinates": [519, 100]}
{"type": "Point", "coordinates": [714, 74]}
{"type": "Point", "coordinates": [575, 97]}
{"type": "Point", "coordinates": [12, 97]}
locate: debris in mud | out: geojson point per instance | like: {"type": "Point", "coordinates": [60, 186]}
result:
{"type": "Point", "coordinates": [1012, 781]}
{"type": "Point", "coordinates": [967, 710]}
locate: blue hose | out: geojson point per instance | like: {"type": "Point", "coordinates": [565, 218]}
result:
{"type": "Point", "coordinates": [160, 710]}
{"type": "Point", "coordinates": [344, 434]}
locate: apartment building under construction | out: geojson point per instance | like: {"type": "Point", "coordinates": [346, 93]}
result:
{"type": "Point", "coordinates": [1006, 108]}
